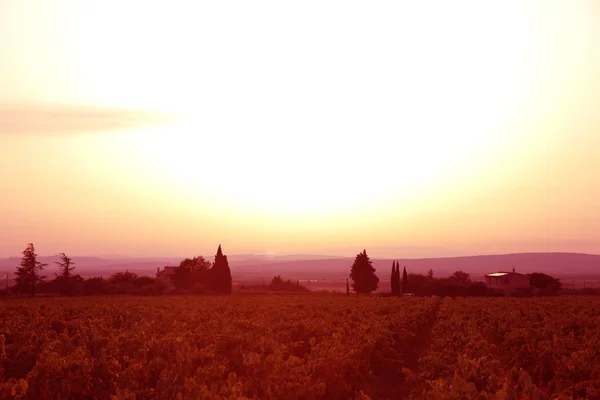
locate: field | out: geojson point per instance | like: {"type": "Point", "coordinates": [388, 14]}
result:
{"type": "Point", "coordinates": [319, 346]}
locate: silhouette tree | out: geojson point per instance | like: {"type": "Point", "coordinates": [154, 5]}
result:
{"type": "Point", "coordinates": [460, 277]}
{"type": "Point", "coordinates": [95, 285]}
{"type": "Point", "coordinates": [277, 283]}
{"type": "Point", "coordinates": [347, 288]}
{"type": "Point", "coordinates": [543, 284]}
{"type": "Point", "coordinates": [28, 271]}
{"type": "Point", "coordinates": [363, 274]}
{"type": "Point", "coordinates": [221, 274]}
{"type": "Point", "coordinates": [65, 266]}
{"type": "Point", "coordinates": [430, 274]}
{"type": "Point", "coordinates": [395, 278]}
{"type": "Point", "coordinates": [404, 281]}
{"type": "Point", "coordinates": [121, 277]}
{"type": "Point", "coordinates": [192, 272]}
{"type": "Point", "coordinates": [398, 283]}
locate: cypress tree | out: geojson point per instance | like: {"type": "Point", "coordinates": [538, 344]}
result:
{"type": "Point", "coordinates": [363, 274]}
{"type": "Point", "coordinates": [395, 280]}
{"type": "Point", "coordinates": [221, 274]}
{"type": "Point", "coordinates": [398, 284]}
{"type": "Point", "coordinates": [404, 281]}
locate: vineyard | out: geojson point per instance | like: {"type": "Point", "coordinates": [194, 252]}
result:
{"type": "Point", "coordinates": [299, 347]}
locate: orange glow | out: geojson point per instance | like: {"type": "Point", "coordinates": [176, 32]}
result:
{"type": "Point", "coordinates": [310, 128]}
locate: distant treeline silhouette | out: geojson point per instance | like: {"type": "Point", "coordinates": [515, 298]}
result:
{"type": "Point", "coordinates": [195, 275]}
{"type": "Point", "coordinates": [277, 284]}
{"type": "Point", "coordinates": [199, 276]}
{"type": "Point", "coordinates": [459, 283]}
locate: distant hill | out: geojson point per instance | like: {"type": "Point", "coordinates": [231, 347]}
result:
{"type": "Point", "coordinates": [558, 264]}
{"type": "Point", "coordinates": [94, 266]}
{"type": "Point", "coordinates": [315, 267]}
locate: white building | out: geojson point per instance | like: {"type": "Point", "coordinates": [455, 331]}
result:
{"type": "Point", "coordinates": [508, 282]}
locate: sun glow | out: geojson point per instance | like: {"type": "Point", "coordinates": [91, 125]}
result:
{"type": "Point", "coordinates": [308, 121]}
{"type": "Point", "coordinates": [289, 116]}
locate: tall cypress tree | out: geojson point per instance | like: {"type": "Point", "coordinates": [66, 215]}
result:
{"type": "Point", "coordinates": [221, 274]}
{"type": "Point", "coordinates": [398, 285]}
{"type": "Point", "coordinates": [363, 274]}
{"type": "Point", "coordinates": [28, 271]}
{"type": "Point", "coordinates": [404, 281]}
{"type": "Point", "coordinates": [395, 278]}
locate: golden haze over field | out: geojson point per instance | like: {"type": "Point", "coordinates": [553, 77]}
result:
{"type": "Point", "coordinates": [414, 129]}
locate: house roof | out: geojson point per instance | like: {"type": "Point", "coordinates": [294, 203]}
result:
{"type": "Point", "coordinates": [502, 273]}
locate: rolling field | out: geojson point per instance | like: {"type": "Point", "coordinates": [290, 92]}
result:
{"type": "Point", "coordinates": [299, 347]}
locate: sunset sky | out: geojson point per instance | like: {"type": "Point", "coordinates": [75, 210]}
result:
{"type": "Point", "coordinates": [411, 129]}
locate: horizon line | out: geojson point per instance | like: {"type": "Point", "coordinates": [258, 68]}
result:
{"type": "Point", "coordinates": [270, 255]}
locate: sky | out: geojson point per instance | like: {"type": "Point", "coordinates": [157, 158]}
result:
{"type": "Point", "coordinates": [411, 129]}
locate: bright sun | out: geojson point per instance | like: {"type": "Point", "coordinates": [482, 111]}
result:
{"type": "Point", "coordinates": [291, 111]}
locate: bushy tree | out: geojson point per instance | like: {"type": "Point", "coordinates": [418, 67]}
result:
{"type": "Point", "coordinates": [277, 283]}
{"type": "Point", "coordinates": [122, 282]}
{"type": "Point", "coordinates": [363, 275]}
{"type": "Point", "coordinates": [122, 277]}
{"type": "Point", "coordinates": [543, 284]}
{"type": "Point", "coordinates": [74, 285]}
{"type": "Point", "coordinates": [460, 277]}
{"type": "Point", "coordinates": [420, 284]}
{"type": "Point", "coordinates": [129, 283]}
{"type": "Point", "coordinates": [96, 285]}
{"type": "Point", "coordinates": [221, 274]}
{"type": "Point", "coordinates": [28, 273]}
{"type": "Point", "coordinates": [192, 273]}
{"type": "Point", "coordinates": [424, 285]}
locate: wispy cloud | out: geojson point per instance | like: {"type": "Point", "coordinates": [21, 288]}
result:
{"type": "Point", "coordinates": [34, 119]}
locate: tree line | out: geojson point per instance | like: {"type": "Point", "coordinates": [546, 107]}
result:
{"type": "Point", "coordinates": [199, 276]}
{"type": "Point", "coordinates": [196, 273]}
{"type": "Point", "coordinates": [365, 280]}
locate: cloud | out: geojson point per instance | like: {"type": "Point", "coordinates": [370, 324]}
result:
{"type": "Point", "coordinates": [29, 119]}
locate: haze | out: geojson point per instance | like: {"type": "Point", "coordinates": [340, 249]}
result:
{"type": "Point", "coordinates": [411, 129]}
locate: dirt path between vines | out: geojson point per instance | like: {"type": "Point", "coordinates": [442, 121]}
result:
{"type": "Point", "coordinates": [419, 347]}
{"type": "Point", "coordinates": [391, 383]}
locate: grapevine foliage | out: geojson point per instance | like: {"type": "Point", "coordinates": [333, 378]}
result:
{"type": "Point", "coordinates": [299, 347]}
{"type": "Point", "coordinates": [264, 347]}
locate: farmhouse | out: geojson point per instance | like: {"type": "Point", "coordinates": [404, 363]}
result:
{"type": "Point", "coordinates": [507, 282]}
{"type": "Point", "coordinates": [165, 275]}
